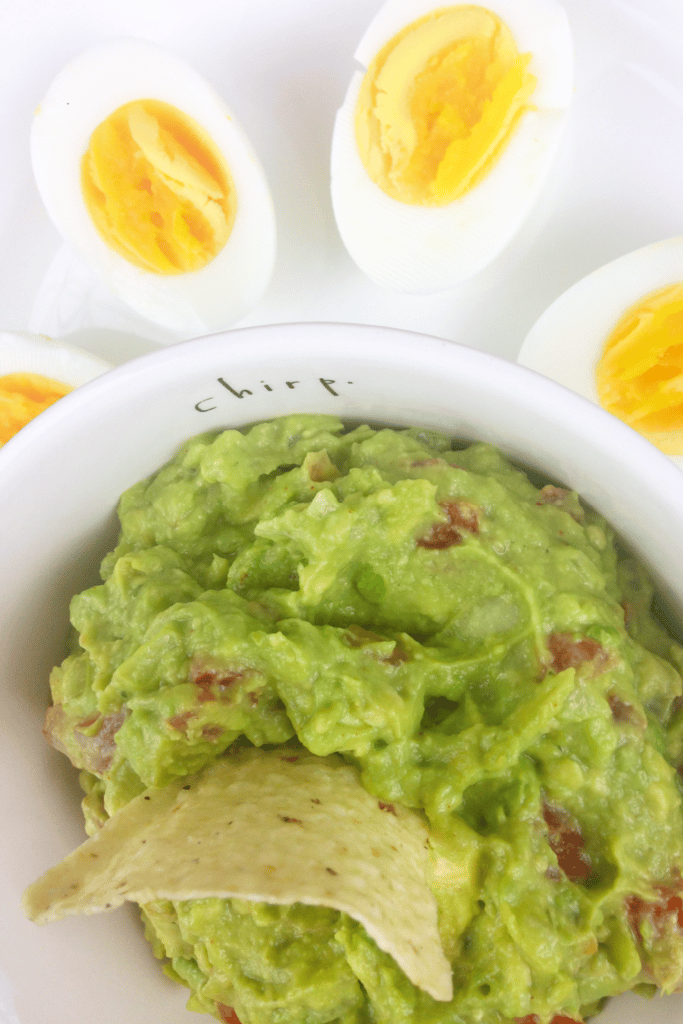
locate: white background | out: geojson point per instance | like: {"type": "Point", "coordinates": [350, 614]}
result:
{"type": "Point", "coordinates": [283, 67]}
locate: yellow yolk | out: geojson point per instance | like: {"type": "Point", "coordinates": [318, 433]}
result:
{"type": "Point", "coordinates": [157, 189]}
{"type": "Point", "coordinates": [439, 103]}
{"type": "Point", "coordinates": [640, 373]}
{"type": "Point", "coordinates": [22, 397]}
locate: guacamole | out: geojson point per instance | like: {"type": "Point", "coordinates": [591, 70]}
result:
{"type": "Point", "coordinates": [472, 642]}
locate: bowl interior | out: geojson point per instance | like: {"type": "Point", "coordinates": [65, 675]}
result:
{"type": "Point", "coordinates": [60, 479]}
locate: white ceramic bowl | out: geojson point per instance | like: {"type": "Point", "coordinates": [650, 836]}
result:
{"type": "Point", "coordinates": [60, 479]}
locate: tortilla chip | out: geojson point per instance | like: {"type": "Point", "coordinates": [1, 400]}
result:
{"type": "Point", "coordinates": [271, 826]}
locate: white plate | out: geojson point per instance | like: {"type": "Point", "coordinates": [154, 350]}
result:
{"type": "Point", "coordinates": [284, 68]}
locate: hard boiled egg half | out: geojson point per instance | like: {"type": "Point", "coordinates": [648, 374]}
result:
{"type": "Point", "coordinates": [35, 372]}
{"type": "Point", "coordinates": [616, 337]}
{"type": "Point", "coordinates": [443, 143]}
{"type": "Point", "coordinates": [150, 179]}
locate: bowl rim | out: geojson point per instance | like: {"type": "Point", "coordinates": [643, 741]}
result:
{"type": "Point", "coordinates": [362, 342]}
{"type": "Point", "coordinates": [582, 433]}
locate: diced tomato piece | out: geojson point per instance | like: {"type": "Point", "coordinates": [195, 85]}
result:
{"type": "Point", "coordinates": [99, 750]}
{"type": "Point", "coordinates": [658, 912]}
{"type": "Point", "coordinates": [461, 515]}
{"type": "Point", "coordinates": [566, 842]}
{"type": "Point", "coordinates": [213, 683]}
{"type": "Point", "coordinates": [622, 711]}
{"type": "Point", "coordinates": [212, 732]}
{"type": "Point", "coordinates": [560, 497]}
{"type": "Point", "coordinates": [569, 653]}
{"type": "Point", "coordinates": [559, 1018]}
{"type": "Point", "coordinates": [227, 1014]}
{"type": "Point", "coordinates": [181, 721]}
{"type": "Point", "coordinates": [397, 657]}
{"type": "Point", "coordinates": [629, 613]}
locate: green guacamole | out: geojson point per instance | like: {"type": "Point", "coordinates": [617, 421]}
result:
{"type": "Point", "coordinates": [474, 642]}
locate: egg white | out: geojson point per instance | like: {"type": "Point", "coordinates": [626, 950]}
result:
{"type": "Point", "coordinates": [86, 92]}
{"type": "Point", "coordinates": [33, 353]}
{"type": "Point", "coordinates": [430, 249]}
{"type": "Point", "coordinates": [566, 342]}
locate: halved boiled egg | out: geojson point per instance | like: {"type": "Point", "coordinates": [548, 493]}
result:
{"type": "Point", "coordinates": [443, 143]}
{"type": "Point", "coordinates": [616, 337]}
{"type": "Point", "coordinates": [150, 179]}
{"type": "Point", "coordinates": [35, 372]}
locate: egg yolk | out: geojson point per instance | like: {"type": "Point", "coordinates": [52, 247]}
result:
{"type": "Point", "coordinates": [439, 103]}
{"type": "Point", "coordinates": [639, 376]}
{"type": "Point", "coordinates": [157, 189]}
{"type": "Point", "coordinates": [22, 397]}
